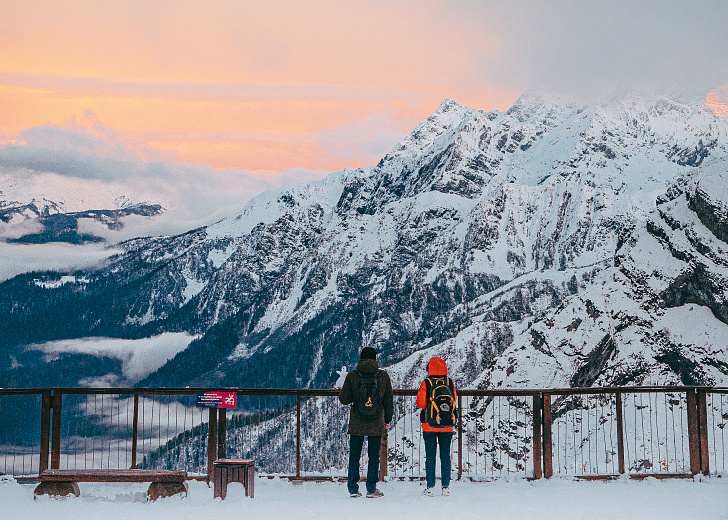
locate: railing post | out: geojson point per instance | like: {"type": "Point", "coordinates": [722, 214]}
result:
{"type": "Point", "coordinates": [298, 434]}
{"type": "Point", "coordinates": [135, 432]}
{"type": "Point", "coordinates": [548, 468]}
{"type": "Point", "coordinates": [693, 432]}
{"type": "Point", "coordinates": [221, 432]}
{"type": "Point", "coordinates": [383, 449]}
{"type": "Point", "coordinates": [620, 432]}
{"type": "Point", "coordinates": [45, 430]}
{"type": "Point", "coordinates": [56, 404]}
{"type": "Point", "coordinates": [703, 432]}
{"type": "Point", "coordinates": [211, 442]}
{"type": "Point", "coordinates": [460, 436]}
{"type": "Point", "coordinates": [537, 446]}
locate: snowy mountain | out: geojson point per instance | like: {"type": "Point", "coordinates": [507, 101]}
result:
{"type": "Point", "coordinates": [48, 208]}
{"type": "Point", "coordinates": [525, 246]}
{"type": "Point", "coordinates": [658, 315]}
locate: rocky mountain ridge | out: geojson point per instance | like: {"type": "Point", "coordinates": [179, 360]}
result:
{"type": "Point", "coordinates": [468, 239]}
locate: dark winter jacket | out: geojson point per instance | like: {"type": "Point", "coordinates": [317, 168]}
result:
{"type": "Point", "coordinates": [357, 425]}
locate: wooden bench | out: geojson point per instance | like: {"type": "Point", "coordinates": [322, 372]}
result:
{"type": "Point", "coordinates": [233, 470]}
{"type": "Point", "coordinates": [63, 482]}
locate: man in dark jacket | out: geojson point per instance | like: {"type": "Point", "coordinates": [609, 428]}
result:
{"type": "Point", "coordinates": [371, 427]}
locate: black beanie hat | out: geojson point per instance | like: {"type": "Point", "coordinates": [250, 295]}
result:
{"type": "Point", "coordinates": [368, 353]}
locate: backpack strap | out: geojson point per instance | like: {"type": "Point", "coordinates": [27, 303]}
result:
{"type": "Point", "coordinates": [434, 410]}
{"type": "Point", "coordinates": [454, 402]}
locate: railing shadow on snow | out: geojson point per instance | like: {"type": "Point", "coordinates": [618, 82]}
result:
{"type": "Point", "coordinates": [575, 432]}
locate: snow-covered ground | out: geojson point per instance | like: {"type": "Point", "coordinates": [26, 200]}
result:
{"type": "Point", "coordinates": [556, 499]}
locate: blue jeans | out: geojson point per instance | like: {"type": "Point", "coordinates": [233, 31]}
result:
{"type": "Point", "coordinates": [356, 442]}
{"type": "Point", "coordinates": [431, 441]}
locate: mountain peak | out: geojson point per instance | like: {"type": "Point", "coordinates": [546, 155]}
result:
{"type": "Point", "coordinates": [447, 105]}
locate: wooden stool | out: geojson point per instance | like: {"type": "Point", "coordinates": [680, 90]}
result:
{"type": "Point", "coordinates": [233, 470]}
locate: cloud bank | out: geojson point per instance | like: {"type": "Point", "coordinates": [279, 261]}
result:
{"type": "Point", "coordinates": [87, 165]}
{"type": "Point", "coordinates": [139, 357]}
{"type": "Point", "coordinates": [84, 165]}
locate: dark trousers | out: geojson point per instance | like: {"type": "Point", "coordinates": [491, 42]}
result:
{"type": "Point", "coordinates": [356, 442]}
{"type": "Point", "coordinates": [431, 441]}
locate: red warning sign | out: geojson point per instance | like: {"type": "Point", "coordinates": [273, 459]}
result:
{"type": "Point", "coordinates": [217, 400]}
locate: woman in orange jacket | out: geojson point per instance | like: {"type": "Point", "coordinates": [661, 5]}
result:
{"type": "Point", "coordinates": [437, 397]}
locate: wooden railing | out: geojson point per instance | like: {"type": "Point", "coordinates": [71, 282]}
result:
{"type": "Point", "coordinates": [581, 432]}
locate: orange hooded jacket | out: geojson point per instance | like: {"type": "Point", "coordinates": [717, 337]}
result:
{"type": "Point", "coordinates": [436, 367]}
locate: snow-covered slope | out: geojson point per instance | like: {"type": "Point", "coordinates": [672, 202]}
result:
{"type": "Point", "coordinates": [466, 239]}
{"type": "Point", "coordinates": [658, 316]}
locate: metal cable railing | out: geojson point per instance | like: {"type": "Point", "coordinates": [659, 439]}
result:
{"type": "Point", "coordinates": [587, 433]}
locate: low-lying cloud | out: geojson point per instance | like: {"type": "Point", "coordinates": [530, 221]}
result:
{"type": "Point", "coordinates": [24, 258]}
{"type": "Point", "coordinates": [139, 357]}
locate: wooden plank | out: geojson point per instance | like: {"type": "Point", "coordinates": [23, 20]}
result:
{"type": "Point", "coordinates": [211, 442]}
{"type": "Point", "coordinates": [659, 476]}
{"type": "Point", "coordinates": [135, 432]}
{"type": "Point", "coordinates": [620, 432]}
{"type": "Point", "coordinates": [537, 444]}
{"type": "Point", "coordinates": [298, 435]}
{"type": "Point", "coordinates": [383, 449]}
{"type": "Point", "coordinates": [250, 481]}
{"type": "Point", "coordinates": [636, 476]}
{"type": "Point", "coordinates": [693, 432]}
{"type": "Point", "coordinates": [234, 462]}
{"type": "Point", "coordinates": [57, 405]}
{"type": "Point", "coordinates": [121, 472]}
{"type": "Point", "coordinates": [221, 432]}
{"type": "Point", "coordinates": [548, 468]}
{"type": "Point", "coordinates": [45, 430]}
{"type": "Point", "coordinates": [460, 436]}
{"type": "Point", "coordinates": [112, 475]}
{"type": "Point", "coordinates": [219, 485]}
{"type": "Point", "coordinates": [334, 392]}
{"type": "Point", "coordinates": [703, 432]}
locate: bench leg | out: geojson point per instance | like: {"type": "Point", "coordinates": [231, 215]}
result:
{"type": "Point", "coordinates": [220, 485]}
{"type": "Point", "coordinates": [57, 489]}
{"type": "Point", "coordinates": [250, 479]}
{"type": "Point", "coordinates": [166, 489]}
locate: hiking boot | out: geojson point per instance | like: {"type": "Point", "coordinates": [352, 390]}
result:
{"type": "Point", "coordinates": [446, 491]}
{"type": "Point", "coordinates": [375, 494]}
{"type": "Point", "coordinates": [428, 492]}
{"type": "Point", "coordinates": [355, 495]}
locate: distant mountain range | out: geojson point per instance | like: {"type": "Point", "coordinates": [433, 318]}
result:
{"type": "Point", "coordinates": [553, 244]}
{"type": "Point", "coordinates": [50, 211]}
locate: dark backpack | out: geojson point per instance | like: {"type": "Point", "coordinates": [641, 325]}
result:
{"type": "Point", "coordinates": [440, 410]}
{"type": "Point", "coordinates": [367, 399]}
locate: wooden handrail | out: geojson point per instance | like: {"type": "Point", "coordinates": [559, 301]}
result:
{"type": "Point", "coordinates": [513, 392]}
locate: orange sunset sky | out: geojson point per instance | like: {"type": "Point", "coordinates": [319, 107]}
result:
{"type": "Point", "coordinates": [266, 87]}
{"type": "Point", "coordinates": [253, 86]}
